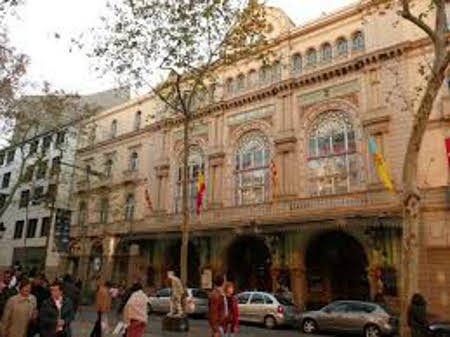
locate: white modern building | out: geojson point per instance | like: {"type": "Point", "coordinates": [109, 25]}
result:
{"type": "Point", "coordinates": [38, 170]}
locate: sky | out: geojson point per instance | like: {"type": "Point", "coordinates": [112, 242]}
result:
{"type": "Point", "coordinates": [51, 60]}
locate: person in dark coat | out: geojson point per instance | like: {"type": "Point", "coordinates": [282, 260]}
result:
{"type": "Point", "coordinates": [56, 313]}
{"type": "Point", "coordinates": [39, 291]}
{"type": "Point", "coordinates": [7, 291]}
{"type": "Point", "coordinates": [417, 316]}
{"type": "Point", "coordinates": [71, 291]}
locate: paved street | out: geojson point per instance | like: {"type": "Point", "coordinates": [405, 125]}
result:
{"type": "Point", "coordinates": [199, 328]}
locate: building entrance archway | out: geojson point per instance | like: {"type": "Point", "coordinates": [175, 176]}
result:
{"type": "Point", "coordinates": [336, 268]}
{"type": "Point", "coordinates": [248, 264]}
{"type": "Point", "coordinates": [172, 262]}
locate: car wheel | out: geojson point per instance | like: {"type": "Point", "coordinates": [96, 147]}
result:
{"type": "Point", "coordinates": [309, 326]}
{"type": "Point", "coordinates": [270, 322]}
{"type": "Point", "coordinates": [372, 331]}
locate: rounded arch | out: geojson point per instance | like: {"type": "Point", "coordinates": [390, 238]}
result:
{"type": "Point", "coordinates": [255, 126]}
{"type": "Point", "coordinates": [341, 46]}
{"type": "Point", "coordinates": [248, 263]}
{"type": "Point", "coordinates": [358, 40]}
{"type": "Point", "coordinates": [336, 267]}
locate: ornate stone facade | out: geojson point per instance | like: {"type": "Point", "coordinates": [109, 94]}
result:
{"type": "Point", "coordinates": [349, 219]}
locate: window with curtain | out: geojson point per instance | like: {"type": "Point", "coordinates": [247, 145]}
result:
{"type": "Point", "coordinates": [82, 213]}
{"type": "Point", "coordinates": [137, 120]}
{"type": "Point", "coordinates": [113, 128]}
{"type": "Point", "coordinates": [129, 207]}
{"type": "Point", "coordinates": [358, 41]}
{"type": "Point", "coordinates": [103, 212]}
{"type": "Point", "coordinates": [311, 58]}
{"type": "Point", "coordinates": [326, 53]}
{"type": "Point", "coordinates": [342, 47]}
{"type": "Point", "coordinates": [252, 169]}
{"type": "Point", "coordinates": [332, 158]}
{"type": "Point", "coordinates": [296, 63]}
{"type": "Point", "coordinates": [196, 164]}
{"type": "Point", "coordinates": [134, 161]}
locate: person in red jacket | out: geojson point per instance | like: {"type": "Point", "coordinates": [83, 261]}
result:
{"type": "Point", "coordinates": [217, 309]}
{"type": "Point", "coordinates": [232, 319]}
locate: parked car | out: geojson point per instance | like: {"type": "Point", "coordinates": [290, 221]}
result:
{"type": "Point", "coordinates": [439, 329]}
{"type": "Point", "coordinates": [350, 317]}
{"type": "Point", "coordinates": [196, 301]}
{"type": "Point", "coordinates": [266, 308]}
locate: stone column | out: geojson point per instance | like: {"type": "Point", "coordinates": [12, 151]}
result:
{"type": "Point", "coordinates": [133, 263]}
{"type": "Point", "coordinates": [109, 246]}
{"type": "Point", "coordinates": [285, 147]}
{"type": "Point", "coordinates": [162, 174]}
{"type": "Point", "coordinates": [216, 162]}
{"type": "Point", "coordinates": [298, 279]}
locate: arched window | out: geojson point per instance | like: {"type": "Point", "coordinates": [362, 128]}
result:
{"type": "Point", "coordinates": [129, 207]}
{"type": "Point", "coordinates": [252, 169]}
{"type": "Point", "coordinates": [342, 47]}
{"type": "Point", "coordinates": [311, 58]}
{"type": "Point", "coordinates": [240, 82]}
{"type": "Point", "coordinates": [358, 41]}
{"type": "Point", "coordinates": [332, 158]}
{"type": "Point", "coordinates": [82, 213]}
{"type": "Point", "coordinates": [108, 167]}
{"type": "Point", "coordinates": [252, 79]}
{"type": "Point", "coordinates": [230, 86]}
{"type": "Point", "coordinates": [134, 161]}
{"type": "Point", "coordinates": [104, 210]}
{"type": "Point", "coordinates": [296, 63]}
{"type": "Point", "coordinates": [114, 128]}
{"type": "Point", "coordinates": [326, 53]}
{"type": "Point", "coordinates": [196, 164]}
{"type": "Point", "coordinates": [137, 120]}
{"type": "Point", "coordinates": [264, 74]}
{"type": "Point", "coordinates": [276, 71]}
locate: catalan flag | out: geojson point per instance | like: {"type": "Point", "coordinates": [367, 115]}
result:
{"type": "Point", "coordinates": [380, 165]}
{"type": "Point", "coordinates": [201, 188]}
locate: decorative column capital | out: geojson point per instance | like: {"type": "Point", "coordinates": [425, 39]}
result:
{"type": "Point", "coordinates": [285, 143]}
{"type": "Point", "coordinates": [216, 157]}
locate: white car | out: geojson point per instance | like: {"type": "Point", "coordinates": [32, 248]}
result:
{"type": "Point", "coordinates": [265, 308]}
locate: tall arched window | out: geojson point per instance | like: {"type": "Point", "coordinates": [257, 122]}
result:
{"type": "Point", "coordinates": [129, 207]}
{"type": "Point", "coordinates": [134, 161]}
{"type": "Point", "coordinates": [137, 120]}
{"type": "Point", "coordinates": [196, 164]}
{"type": "Point", "coordinates": [358, 41]}
{"type": "Point", "coordinates": [326, 53]}
{"type": "Point", "coordinates": [240, 84]}
{"type": "Point", "coordinates": [114, 128]}
{"type": "Point", "coordinates": [332, 158]}
{"type": "Point", "coordinates": [230, 86]}
{"type": "Point", "coordinates": [264, 74]}
{"type": "Point", "coordinates": [276, 71]}
{"type": "Point", "coordinates": [104, 210]}
{"type": "Point", "coordinates": [252, 80]}
{"type": "Point", "coordinates": [296, 63]}
{"type": "Point", "coordinates": [252, 169]}
{"type": "Point", "coordinates": [82, 213]}
{"type": "Point", "coordinates": [342, 47]}
{"type": "Point", "coordinates": [311, 58]}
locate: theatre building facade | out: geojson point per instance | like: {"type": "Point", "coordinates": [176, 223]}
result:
{"type": "Point", "coordinates": [329, 229]}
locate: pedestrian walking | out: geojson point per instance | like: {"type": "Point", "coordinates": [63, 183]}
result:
{"type": "Point", "coordinates": [39, 290]}
{"type": "Point", "coordinates": [5, 292]}
{"type": "Point", "coordinates": [71, 291]}
{"type": "Point", "coordinates": [102, 307]}
{"type": "Point", "coordinates": [20, 312]}
{"type": "Point", "coordinates": [56, 313]}
{"type": "Point", "coordinates": [417, 316]}
{"type": "Point", "coordinates": [217, 307]}
{"type": "Point", "coordinates": [135, 312]}
{"type": "Point", "coordinates": [232, 319]}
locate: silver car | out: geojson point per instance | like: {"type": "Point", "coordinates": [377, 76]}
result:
{"type": "Point", "coordinates": [262, 307]}
{"type": "Point", "coordinates": [350, 317]}
{"type": "Point", "coordinates": [196, 301]}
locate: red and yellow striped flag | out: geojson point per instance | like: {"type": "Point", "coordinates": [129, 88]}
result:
{"type": "Point", "coordinates": [201, 188]}
{"type": "Point", "coordinates": [274, 177]}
